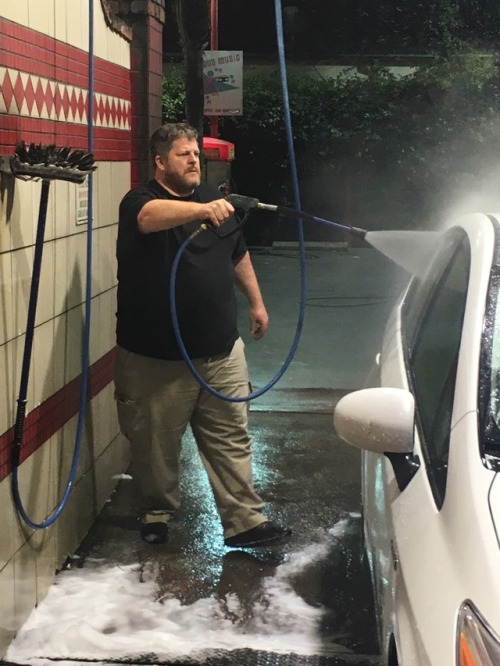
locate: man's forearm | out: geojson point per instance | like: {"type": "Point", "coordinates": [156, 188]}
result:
{"type": "Point", "coordinates": [161, 214]}
{"type": "Point", "coordinates": [246, 280]}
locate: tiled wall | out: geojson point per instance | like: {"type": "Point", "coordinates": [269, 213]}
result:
{"type": "Point", "coordinates": [44, 98]}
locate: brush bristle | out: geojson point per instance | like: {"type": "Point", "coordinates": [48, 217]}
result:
{"type": "Point", "coordinates": [63, 163]}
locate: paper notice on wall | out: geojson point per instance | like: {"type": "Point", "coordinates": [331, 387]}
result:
{"type": "Point", "coordinates": [82, 207]}
{"type": "Point", "coordinates": [223, 83]}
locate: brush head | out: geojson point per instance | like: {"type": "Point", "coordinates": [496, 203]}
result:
{"type": "Point", "coordinates": [51, 163]}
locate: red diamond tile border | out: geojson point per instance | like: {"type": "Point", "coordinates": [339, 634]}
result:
{"type": "Point", "coordinates": [44, 95]}
{"type": "Point", "coordinates": [25, 94]}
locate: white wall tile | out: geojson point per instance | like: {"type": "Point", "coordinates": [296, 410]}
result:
{"type": "Point", "coordinates": [41, 16]}
{"type": "Point", "coordinates": [64, 447]}
{"type": "Point", "coordinates": [64, 198]}
{"type": "Point", "coordinates": [24, 584]}
{"type": "Point", "coordinates": [97, 281]}
{"type": "Point", "coordinates": [8, 374]}
{"type": "Point", "coordinates": [46, 285]}
{"type": "Point", "coordinates": [104, 203]}
{"type": "Point", "coordinates": [24, 214]}
{"type": "Point", "coordinates": [61, 19]}
{"type": "Point", "coordinates": [37, 491]}
{"type": "Point", "coordinates": [110, 45]}
{"type": "Point", "coordinates": [6, 299]}
{"type": "Point", "coordinates": [77, 268]}
{"type": "Point", "coordinates": [6, 202]}
{"type": "Point", "coordinates": [59, 361]}
{"type": "Point", "coordinates": [73, 343]}
{"type": "Point", "coordinates": [15, 11]}
{"type": "Point", "coordinates": [74, 25]}
{"type": "Point", "coordinates": [120, 184]}
{"type": "Point", "coordinates": [61, 274]}
{"type": "Point", "coordinates": [43, 542]}
{"type": "Point", "coordinates": [22, 270]}
{"type": "Point", "coordinates": [107, 321]}
{"type": "Point", "coordinates": [7, 607]}
{"type": "Point", "coordinates": [107, 255]}
{"type": "Point", "coordinates": [6, 542]}
{"type": "Point", "coordinates": [48, 229]}
{"type": "Point", "coordinates": [76, 519]}
{"type": "Point", "coordinates": [83, 9]}
{"type": "Point", "coordinates": [95, 331]}
{"type": "Point", "coordinates": [109, 428]}
{"type": "Point", "coordinates": [103, 36]}
{"type": "Point", "coordinates": [43, 362]}
{"type": "Point", "coordinates": [18, 355]}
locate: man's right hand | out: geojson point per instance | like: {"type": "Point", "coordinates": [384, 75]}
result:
{"type": "Point", "coordinates": [218, 211]}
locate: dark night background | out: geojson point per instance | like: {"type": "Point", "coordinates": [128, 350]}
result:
{"type": "Point", "coordinates": [322, 29]}
{"type": "Point", "coordinates": [380, 150]}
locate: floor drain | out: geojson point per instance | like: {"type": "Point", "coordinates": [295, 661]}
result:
{"type": "Point", "coordinates": [242, 657]}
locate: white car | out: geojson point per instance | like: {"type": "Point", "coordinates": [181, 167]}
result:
{"type": "Point", "coordinates": [430, 435]}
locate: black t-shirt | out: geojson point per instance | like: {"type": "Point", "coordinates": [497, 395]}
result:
{"type": "Point", "coordinates": [205, 298]}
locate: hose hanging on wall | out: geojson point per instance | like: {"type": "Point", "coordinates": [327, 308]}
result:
{"type": "Point", "coordinates": [302, 253]}
{"type": "Point", "coordinates": [50, 163]}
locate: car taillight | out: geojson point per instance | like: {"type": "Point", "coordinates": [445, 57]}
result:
{"type": "Point", "coordinates": [477, 643]}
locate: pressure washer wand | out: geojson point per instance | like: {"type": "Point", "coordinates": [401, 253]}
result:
{"type": "Point", "coordinates": [247, 203]}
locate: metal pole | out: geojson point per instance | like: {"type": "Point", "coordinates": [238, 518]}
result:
{"type": "Point", "coordinates": [214, 45]}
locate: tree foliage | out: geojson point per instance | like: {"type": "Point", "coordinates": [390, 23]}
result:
{"type": "Point", "coordinates": [377, 151]}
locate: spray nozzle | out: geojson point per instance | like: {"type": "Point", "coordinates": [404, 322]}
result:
{"type": "Point", "coordinates": [241, 202]}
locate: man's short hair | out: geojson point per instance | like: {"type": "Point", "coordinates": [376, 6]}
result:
{"type": "Point", "coordinates": [162, 139]}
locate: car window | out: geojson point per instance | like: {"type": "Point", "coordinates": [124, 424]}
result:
{"type": "Point", "coordinates": [433, 329]}
{"type": "Point", "coordinates": [423, 286]}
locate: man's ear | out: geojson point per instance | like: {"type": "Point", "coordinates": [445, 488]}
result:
{"type": "Point", "coordinates": [159, 163]}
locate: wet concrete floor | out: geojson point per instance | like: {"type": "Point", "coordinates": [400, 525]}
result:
{"type": "Point", "coordinates": [307, 477]}
{"type": "Point", "coordinates": [310, 481]}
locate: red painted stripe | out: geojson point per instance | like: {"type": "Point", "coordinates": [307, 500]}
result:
{"type": "Point", "coordinates": [109, 144]}
{"type": "Point", "coordinates": [49, 417]}
{"type": "Point", "coordinates": [35, 53]}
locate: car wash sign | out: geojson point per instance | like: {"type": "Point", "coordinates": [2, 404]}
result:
{"type": "Point", "coordinates": [223, 83]}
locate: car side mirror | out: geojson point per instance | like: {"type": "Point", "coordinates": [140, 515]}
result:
{"type": "Point", "coordinates": [378, 419]}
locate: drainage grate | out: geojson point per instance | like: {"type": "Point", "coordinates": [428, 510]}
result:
{"type": "Point", "coordinates": [243, 657]}
{"type": "Point", "coordinates": [249, 657]}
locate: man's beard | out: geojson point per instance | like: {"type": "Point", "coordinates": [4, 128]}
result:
{"type": "Point", "coordinates": [179, 183]}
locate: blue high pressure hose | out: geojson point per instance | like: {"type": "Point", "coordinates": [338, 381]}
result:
{"type": "Point", "coordinates": [86, 332]}
{"type": "Point", "coordinates": [302, 253]}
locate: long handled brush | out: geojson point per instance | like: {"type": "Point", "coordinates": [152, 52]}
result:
{"type": "Point", "coordinates": [35, 162]}
{"type": "Point", "coordinates": [51, 163]}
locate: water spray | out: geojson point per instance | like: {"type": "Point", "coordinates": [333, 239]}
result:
{"type": "Point", "coordinates": [406, 248]}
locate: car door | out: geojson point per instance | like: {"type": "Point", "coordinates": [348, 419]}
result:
{"type": "Point", "coordinates": [423, 357]}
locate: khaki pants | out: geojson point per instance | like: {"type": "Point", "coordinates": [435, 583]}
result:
{"type": "Point", "coordinates": [156, 400]}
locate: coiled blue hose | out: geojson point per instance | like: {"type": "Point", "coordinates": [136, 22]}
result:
{"type": "Point", "coordinates": [302, 253]}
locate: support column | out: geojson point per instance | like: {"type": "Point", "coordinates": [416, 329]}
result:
{"type": "Point", "coordinates": [146, 17]}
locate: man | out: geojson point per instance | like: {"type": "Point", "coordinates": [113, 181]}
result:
{"type": "Point", "coordinates": [157, 395]}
